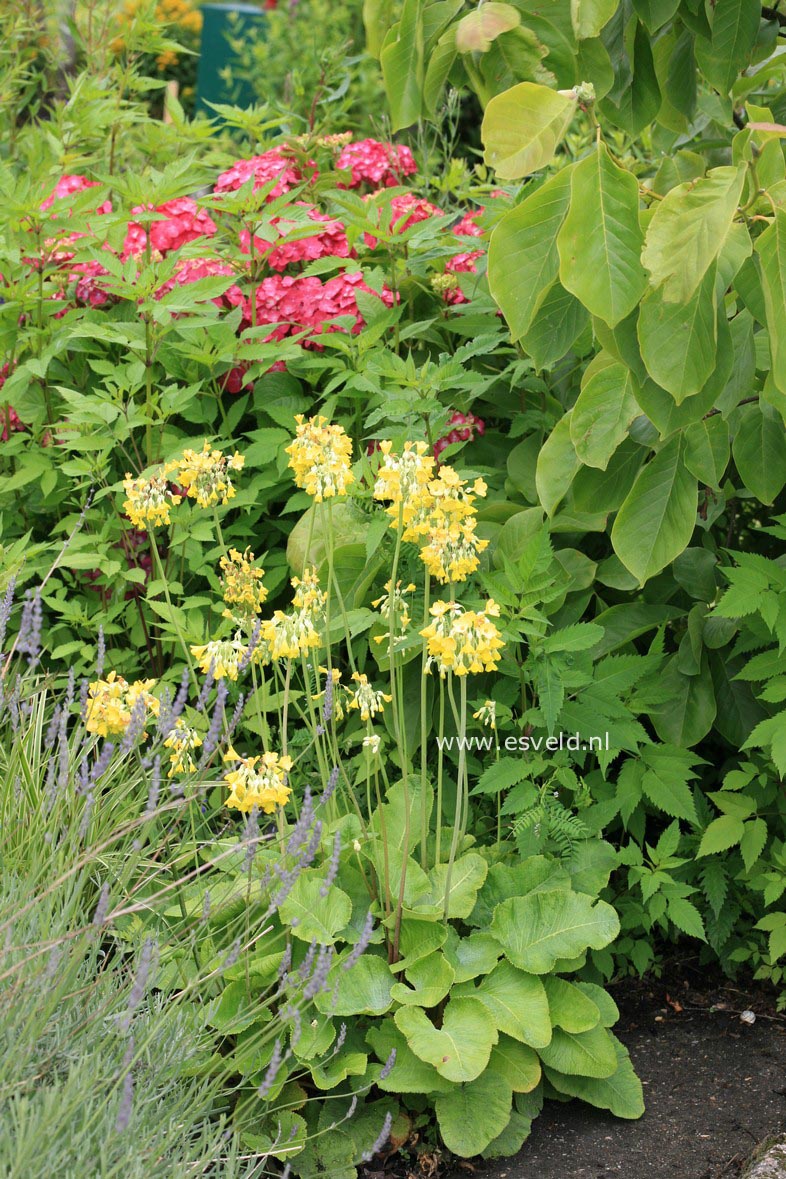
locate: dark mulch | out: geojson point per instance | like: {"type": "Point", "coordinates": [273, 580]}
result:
{"type": "Point", "coordinates": [714, 1086]}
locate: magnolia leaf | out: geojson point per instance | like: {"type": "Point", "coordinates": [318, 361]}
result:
{"type": "Point", "coordinates": [759, 449]}
{"type": "Point", "coordinates": [461, 1047]}
{"type": "Point", "coordinates": [602, 414]}
{"type": "Point", "coordinates": [679, 340]}
{"type": "Point", "coordinates": [735, 25]}
{"type": "Point", "coordinates": [525, 243]}
{"type": "Point", "coordinates": [538, 929]}
{"type": "Point", "coordinates": [771, 251]}
{"type": "Point", "coordinates": [476, 31]}
{"type": "Point", "coordinates": [600, 240]}
{"type": "Point", "coordinates": [522, 128]}
{"type": "Point", "coordinates": [656, 521]}
{"type": "Point", "coordinates": [688, 229]}
{"type": "Point", "coordinates": [589, 16]}
{"type": "Point", "coordinates": [557, 464]}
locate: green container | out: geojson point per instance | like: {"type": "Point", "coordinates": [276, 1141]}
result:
{"type": "Point", "coordinates": [217, 79]}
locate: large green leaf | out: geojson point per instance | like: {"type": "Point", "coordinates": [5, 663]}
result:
{"type": "Point", "coordinates": [538, 929]}
{"type": "Point", "coordinates": [363, 989]}
{"type": "Point", "coordinates": [688, 229]}
{"type": "Point", "coordinates": [402, 58]}
{"type": "Point", "coordinates": [555, 326]}
{"type": "Point", "coordinates": [518, 1003]}
{"type": "Point", "coordinates": [589, 16]}
{"type": "Point", "coordinates": [621, 1093]}
{"type": "Point", "coordinates": [312, 916]}
{"type": "Point", "coordinates": [655, 13]}
{"type": "Point", "coordinates": [735, 24]}
{"type": "Point", "coordinates": [517, 1063]}
{"type": "Point", "coordinates": [759, 449]}
{"type": "Point", "coordinates": [657, 519]}
{"type": "Point", "coordinates": [557, 464]}
{"type": "Point", "coordinates": [771, 250]}
{"type": "Point", "coordinates": [602, 414]}
{"type": "Point", "coordinates": [600, 240]}
{"type": "Point", "coordinates": [588, 1054]}
{"type": "Point", "coordinates": [467, 876]}
{"type": "Point", "coordinates": [522, 128]}
{"type": "Point", "coordinates": [569, 1008]}
{"type": "Point", "coordinates": [461, 1047]}
{"type": "Point", "coordinates": [472, 1115]}
{"type": "Point", "coordinates": [409, 1074]}
{"type": "Point", "coordinates": [678, 340]}
{"type": "Point", "coordinates": [429, 982]}
{"type": "Point", "coordinates": [707, 450]}
{"type": "Point", "coordinates": [523, 261]}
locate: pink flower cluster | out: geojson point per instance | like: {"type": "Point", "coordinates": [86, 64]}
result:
{"type": "Point", "coordinates": [381, 165]}
{"type": "Point", "coordinates": [182, 221]}
{"type": "Point", "coordinates": [304, 302]}
{"type": "Point", "coordinates": [292, 303]}
{"type": "Point", "coordinates": [464, 427]}
{"type": "Point", "coordinates": [271, 165]}
{"type": "Point", "coordinates": [10, 422]}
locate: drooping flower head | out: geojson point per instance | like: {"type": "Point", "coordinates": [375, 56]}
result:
{"type": "Point", "coordinates": [205, 474]}
{"type": "Point", "coordinates": [182, 739]}
{"type": "Point", "coordinates": [297, 632]}
{"type": "Point", "coordinates": [111, 702]}
{"type": "Point", "coordinates": [394, 604]}
{"type": "Point", "coordinates": [221, 656]}
{"type": "Point", "coordinates": [149, 500]}
{"type": "Point", "coordinates": [403, 479]}
{"type": "Point", "coordinates": [487, 714]}
{"type": "Point", "coordinates": [453, 548]}
{"type": "Point", "coordinates": [242, 586]}
{"type": "Point", "coordinates": [366, 699]}
{"type": "Point", "coordinates": [320, 456]}
{"type": "Point", "coordinates": [259, 782]}
{"type": "Point", "coordinates": [464, 642]}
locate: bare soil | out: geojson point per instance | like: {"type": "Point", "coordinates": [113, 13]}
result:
{"type": "Point", "coordinates": [714, 1087]}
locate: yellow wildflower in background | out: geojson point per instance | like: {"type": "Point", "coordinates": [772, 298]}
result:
{"type": "Point", "coordinates": [465, 642]}
{"type": "Point", "coordinates": [110, 704]}
{"type": "Point", "coordinates": [149, 500]}
{"type": "Point", "coordinates": [204, 474]}
{"type": "Point", "coordinates": [320, 456]}
{"type": "Point", "coordinates": [366, 699]}
{"type": "Point", "coordinates": [242, 585]}
{"type": "Point", "coordinates": [182, 739]}
{"type": "Point", "coordinates": [259, 782]}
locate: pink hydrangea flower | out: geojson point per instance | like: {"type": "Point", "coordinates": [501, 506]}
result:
{"type": "Point", "coordinates": [406, 210]}
{"type": "Point", "coordinates": [468, 225]}
{"type": "Point", "coordinates": [69, 184]}
{"type": "Point", "coordinates": [302, 302]}
{"type": "Point", "coordinates": [380, 165]}
{"type": "Point", "coordinates": [464, 427]}
{"type": "Point", "coordinates": [329, 242]}
{"type": "Point", "coordinates": [183, 221]}
{"type": "Point", "coordinates": [193, 269]}
{"type": "Point", "coordinates": [271, 165]}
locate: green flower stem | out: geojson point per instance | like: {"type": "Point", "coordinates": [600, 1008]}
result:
{"type": "Point", "coordinates": [462, 799]}
{"type": "Point", "coordinates": [333, 584]}
{"type": "Point", "coordinates": [168, 599]}
{"type": "Point", "coordinates": [440, 770]}
{"type": "Point", "coordinates": [424, 730]}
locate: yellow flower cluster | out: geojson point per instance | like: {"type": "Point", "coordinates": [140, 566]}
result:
{"type": "Point", "coordinates": [110, 704]}
{"type": "Point", "coordinates": [320, 456]}
{"type": "Point", "coordinates": [148, 501]}
{"type": "Point", "coordinates": [288, 636]}
{"type": "Point", "coordinates": [204, 474]}
{"type": "Point", "coordinates": [259, 782]}
{"type": "Point", "coordinates": [222, 655]}
{"type": "Point", "coordinates": [439, 510]}
{"type": "Point", "coordinates": [182, 740]}
{"type": "Point", "coordinates": [403, 479]}
{"type": "Point", "coordinates": [464, 642]}
{"type": "Point", "coordinates": [394, 603]}
{"type": "Point", "coordinates": [366, 699]}
{"type": "Point", "coordinates": [242, 585]}
{"type": "Point", "coordinates": [181, 13]}
{"type": "Point", "coordinates": [487, 714]}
